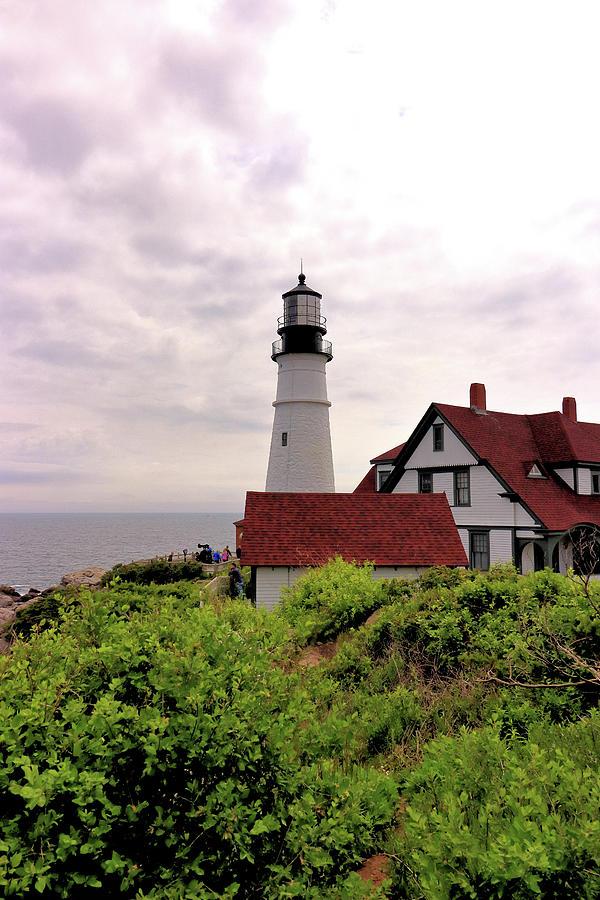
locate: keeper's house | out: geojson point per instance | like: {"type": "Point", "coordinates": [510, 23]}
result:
{"type": "Point", "coordinates": [284, 534]}
{"type": "Point", "coordinates": [520, 487]}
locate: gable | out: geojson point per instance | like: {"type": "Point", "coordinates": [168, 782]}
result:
{"type": "Point", "coordinates": [454, 451]}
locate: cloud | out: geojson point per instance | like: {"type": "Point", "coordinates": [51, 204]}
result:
{"type": "Point", "coordinates": [55, 476]}
{"type": "Point", "coordinates": [46, 254]}
{"type": "Point", "coordinates": [283, 165]}
{"type": "Point", "coordinates": [205, 75]}
{"type": "Point", "coordinates": [55, 135]}
{"type": "Point", "coordinates": [164, 166]}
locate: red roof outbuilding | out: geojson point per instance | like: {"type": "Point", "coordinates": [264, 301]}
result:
{"type": "Point", "coordinates": [304, 529]}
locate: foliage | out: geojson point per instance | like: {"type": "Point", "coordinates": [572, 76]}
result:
{"type": "Point", "coordinates": [155, 744]}
{"type": "Point", "coordinates": [488, 817]}
{"type": "Point", "coordinates": [155, 571]}
{"type": "Point", "coordinates": [41, 613]}
{"type": "Point", "coordinates": [149, 748]}
{"type": "Point", "coordinates": [324, 602]}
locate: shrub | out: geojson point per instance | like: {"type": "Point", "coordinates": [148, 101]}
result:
{"type": "Point", "coordinates": [152, 749]}
{"type": "Point", "coordinates": [156, 571]}
{"type": "Point", "coordinates": [326, 601]}
{"type": "Point", "coordinates": [45, 611]}
{"type": "Point", "coordinates": [494, 818]}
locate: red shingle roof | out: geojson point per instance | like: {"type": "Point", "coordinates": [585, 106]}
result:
{"type": "Point", "coordinates": [389, 456]}
{"type": "Point", "coordinates": [369, 483]}
{"type": "Point", "coordinates": [387, 529]}
{"type": "Point", "coordinates": [511, 443]}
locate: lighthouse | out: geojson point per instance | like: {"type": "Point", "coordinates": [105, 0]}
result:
{"type": "Point", "coordinates": [300, 458]}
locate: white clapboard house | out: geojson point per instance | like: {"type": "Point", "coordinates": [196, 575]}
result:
{"type": "Point", "coordinates": [520, 487]}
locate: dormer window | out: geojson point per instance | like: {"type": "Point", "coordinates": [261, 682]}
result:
{"type": "Point", "coordinates": [438, 437]}
{"type": "Point", "coordinates": [535, 472]}
{"type": "Point", "coordinates": [382, 476]}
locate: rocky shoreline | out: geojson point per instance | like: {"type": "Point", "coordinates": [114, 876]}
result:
{"type": "Point", "coordinates": [11, 601]}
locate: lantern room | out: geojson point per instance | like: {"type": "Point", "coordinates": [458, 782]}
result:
{"type": "Point", "coordinates": [301, 326]}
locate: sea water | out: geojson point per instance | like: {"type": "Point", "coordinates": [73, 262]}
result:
{"type": "Point", "coordinates": [37, 549]}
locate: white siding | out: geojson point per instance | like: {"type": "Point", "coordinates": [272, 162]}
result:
{"type": "Point", "coordinates": [408, 484]}
{"type": "Point", "coordinates": [487, 508]}
{"type": "Point", "coordinates": [584, 481]}
{"type": "Point", "coordinates": [443, 482]}
{"type": "Point", "coordinates": [454, 453]}
{"type": "Point", "coordinates": [500, 547]}
{"type": "Point", "coordinates": [270, 580]}
{"type": "Point", "coordinates": [567, 476]}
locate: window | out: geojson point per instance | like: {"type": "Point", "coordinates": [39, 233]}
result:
{"type": "Point", "coordinates": [438, 437]}
{"type": "Point", "coordinates": [382, 475]}
{"type": "Point", "coordinates": [425, 482]}
{"type": "Point", "coordinates": [462, 492]}
{"type": "Point", "coordinates": [284, 438]}
{"type": "Point", "coordinates": [480, 550]}
{"type": "Point", "coordinates": [595, 482]}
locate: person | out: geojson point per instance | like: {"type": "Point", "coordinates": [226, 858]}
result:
{"type": "Point", "coordinates": [216, 556]}
{"type": "Point", "coordinates": [205, 557]}
{"type": "Point", "coordinates": [171, 556]}
{"type": "Point", "coordinates": [236, 581]}
{"type": "Point", "coordinates": [185, 553]}
{"type": "Point", "coordinates": [226, 554]}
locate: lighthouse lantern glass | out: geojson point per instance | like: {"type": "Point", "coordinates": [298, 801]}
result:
{"type": "Point", "coordinates": [302, 309]}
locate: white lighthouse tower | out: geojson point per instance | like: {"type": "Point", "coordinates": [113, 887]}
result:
{"type": "Point", "coordinates": [300, 457]}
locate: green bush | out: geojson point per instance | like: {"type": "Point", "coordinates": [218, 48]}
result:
{"type": "Point", "coordinates": [494, 818]}
{"type": "Point", "coordinates": [329, 600]}
{"type": "Point", "coordinates": [151, 749]}
{"type": "Point", "coordinates": [156, 571]}
{"type": "Point", "coordinates": [40, 614]}
{"type": "Point", "coordinates": [154, 743]}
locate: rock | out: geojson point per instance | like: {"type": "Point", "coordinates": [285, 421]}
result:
{"type": "Point", "coordinates": [25, 604]}
{"type": "Point", "coordinates": [90, 577]}
{"type": "Point", "coordinates": [9, 591]}
{"type": "Point", "coordinates": [31, 594]}
{"type": "Point", "coordinates": [7, 600]}
{"type": "Point", "coordinates": [6, 617]}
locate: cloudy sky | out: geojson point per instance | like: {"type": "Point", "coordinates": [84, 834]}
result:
{"type": "Point", "coordinates": [164, 164]}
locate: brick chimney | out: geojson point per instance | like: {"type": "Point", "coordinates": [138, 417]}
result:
{"type": "Point", "coordinates": [477, 398]}
{"type": "Point", "coordinates": [570, 408]}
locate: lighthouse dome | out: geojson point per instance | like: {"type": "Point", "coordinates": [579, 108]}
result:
{"type": "Point", "coordinates": [301, 326]}
{"type": "Point", "coordinates": [302, 305]}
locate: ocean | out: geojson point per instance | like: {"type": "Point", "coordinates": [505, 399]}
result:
{"type": "Point", "coordinates": [37, 549]}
